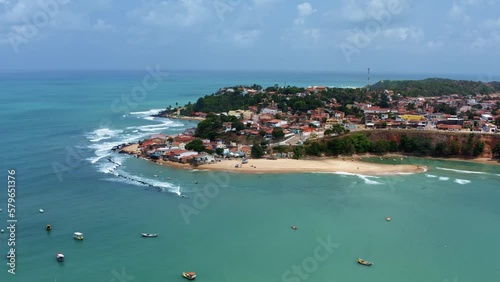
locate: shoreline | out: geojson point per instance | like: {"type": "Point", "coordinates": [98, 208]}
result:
{"type": "Point", "coordinates": [316, 165]}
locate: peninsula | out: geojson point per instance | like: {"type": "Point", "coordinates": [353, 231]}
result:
{"type": "Point", "coordinates": [332, 127]}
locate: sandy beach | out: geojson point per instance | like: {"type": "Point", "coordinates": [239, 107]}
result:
{"type": "Point", "coordinates": [295, 166]}
{"type": "Point", "coordinates": [320, 165]}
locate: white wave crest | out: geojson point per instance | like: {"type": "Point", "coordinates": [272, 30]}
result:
{"type": "Point", "coordinates": [431, 176]}
{"type": "Point", "coordinates": [147, 113]}
{"type": "Point", "coordinates": [365, 178]}
{"type": "Point", "coordinates": [102, 134]}
{"type": "Point", "coordinates": [462, 171]}
{"type": "Point", "coordinates": [462, 181]}
{"type": "Point", "coordinates": [142, 181]}
{"type": "Point", "coordinates": [442, 178]}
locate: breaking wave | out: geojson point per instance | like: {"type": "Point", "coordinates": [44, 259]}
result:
{"type": "Point", "coordinates": [462, 181]}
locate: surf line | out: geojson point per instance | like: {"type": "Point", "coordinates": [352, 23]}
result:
{"type": "Point", "coordinates": [111, 160]}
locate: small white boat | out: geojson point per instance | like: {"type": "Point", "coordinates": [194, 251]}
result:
{"type": "Point", "coordinates": [60, 257]}
{"type": "Point", "coordinates": [149, 235]}
{"type": "Point", "coordinates": [78, 236]}
{"type": "Point", "coordinates": [155, 175]}
{"type": "Point", "coordinates": [41, 211]}
{"type": "Point", "coordinates": [1, 210]}
{"type": "Point", "coordinates": [2, 231]}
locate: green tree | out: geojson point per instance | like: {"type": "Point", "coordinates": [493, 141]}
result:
{"type": "Point", "coordinates": [314, 149]}
{"type": "Point", "coordinates": [219, 151]}
{"type": "Point", "coordinates": [478, 148]}
{"type": "Point", "coordinates": [496, 151]}
{"type": "Point", "coordinates": [257, 152]}
{"type": "Point", "coordinates": [298, 152]}
{"type": "Point", "coordinates": [278, 133]}
{"type": "Point", "coordinates": [196, 145]}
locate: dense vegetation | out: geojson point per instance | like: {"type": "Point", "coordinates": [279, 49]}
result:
{"type": "Point", "coordinates": [437, 87]}
{"type": "Point", "coordinates": [211, 127]}
{"type": "Point", "coordinates": [359, 143]}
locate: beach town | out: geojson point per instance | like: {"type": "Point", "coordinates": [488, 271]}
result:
{"type": "Point", "coordinates": [270, 132]}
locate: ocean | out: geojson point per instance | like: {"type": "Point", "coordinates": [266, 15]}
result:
{"type": "Point", "coordinates": [57, 131]}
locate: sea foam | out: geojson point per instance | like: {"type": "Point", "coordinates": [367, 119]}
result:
{"type": "Point", "coordinates": [462, 181]}
{"type": "Point", "coordinates": [462, 171]}
{"type": "Point", "coordinates": [365, 178]}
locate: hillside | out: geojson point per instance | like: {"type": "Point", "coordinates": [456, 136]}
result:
{"type": "Point", "coordinates": [437, 87]}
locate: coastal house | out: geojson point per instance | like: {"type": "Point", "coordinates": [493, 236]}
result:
{"type": "Point", "coordinates": [270, 110]}
{"type": "Point", "coordinates": [204, 159]}
{"type": "Point", "coordinates": [276, 123]}
{"type": "Point", "coordinates": [227, 126]}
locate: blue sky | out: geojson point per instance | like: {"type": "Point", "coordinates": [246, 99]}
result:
{"type": "Point", "coordinates": [410, 36]}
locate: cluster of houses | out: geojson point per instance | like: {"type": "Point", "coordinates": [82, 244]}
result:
{"type": "Point", "coordinates": [473, 114]}
{"type": "Point", "coordinates": [173, 148]}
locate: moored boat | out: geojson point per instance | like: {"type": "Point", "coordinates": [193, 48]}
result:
{"type": "Point", "coordinates": [149, 235]}
{"type": "Point", "coordinates": [189, 275]}
{"type": "Point", "coordinates": [78, 236]}
{"type": "Point", "coordinates": [48, 227]}
{"type": "Point", "coordinates": [60, 257]}
{"type": "Point", "coordinates": [41, 210]}
{"type": "Point", "coordinates": [364, 262]}
{"type": "Point", "coordinates": [293, 227]}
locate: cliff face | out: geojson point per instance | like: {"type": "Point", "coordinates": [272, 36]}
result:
{"type": "Point", "coordinates": [490, 140]}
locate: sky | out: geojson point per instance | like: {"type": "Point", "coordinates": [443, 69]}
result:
{"type": "Point", "coordinates": [408, 36]}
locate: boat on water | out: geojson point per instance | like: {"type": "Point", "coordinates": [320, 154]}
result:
{"type": "Point", "coordinates": [48, 227]}
{"type": "Point", "coordinates": [60, 257]}
{"type": "Point", "coordinates": [78, 236]}
{"type": "Point", "coordinates": [294, 227]}
{"type": "Point", "coordinates": [364, 262]}
{"type": "Point", "coordinates": [41, 211]}
{"type": "Point", "coordinates": [149, 235]}
{"type": "Point", "coordinates": [189, 275]}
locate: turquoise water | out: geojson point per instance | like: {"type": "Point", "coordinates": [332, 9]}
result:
{"type": "Point", "coordinates": [444, 222]}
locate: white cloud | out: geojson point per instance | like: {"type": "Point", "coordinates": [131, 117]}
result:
{"type": "Point", "coordinates": [435, 44]}
{"type": "Point", "coordinates": [491, 23]}
{"type": "Point", "coordinates": [102, 26]}
{"type": "Point", "coordinates": [245, 38]}
{"type": "Point", "coordinates": [404, 33]}
{"type": "Point", "coordinates": [457, 13]}
{"type": "Point", "coordinates": [305, 10]}
{"type": "Point", "coordinates": [364, 10]}
{"type": "Point", "coordinates": [182, 13]}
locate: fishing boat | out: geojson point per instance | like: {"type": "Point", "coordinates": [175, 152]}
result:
{"type": "Point", "coordinates": [41, 211]}
{"type": "Point", "coordinates": [150, 235]}
{"type": "Point", "coordinates": [189, 275]}
{"type": "Point", "coordinates": [48, 227]}
{"type": "Point", "coordinates": [78, 236]}
{"type": "Point", "coordinates": [60, 257]}
{"type": "Point", "coordinates": [364, 262]}
{"type": "Point", "coordinates": [293, 227]}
